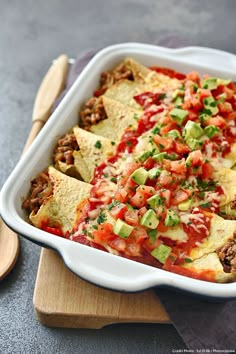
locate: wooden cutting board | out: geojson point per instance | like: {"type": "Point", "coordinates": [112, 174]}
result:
{"type": "Point", "coordinates": [61, 299]}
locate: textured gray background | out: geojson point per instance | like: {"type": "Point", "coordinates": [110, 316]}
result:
{"type": "Point", "coordinates": [32, 33]}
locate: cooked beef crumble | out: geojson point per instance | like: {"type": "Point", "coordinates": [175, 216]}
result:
{"type": "Point", "coordinates": [65, 148]}
{"type": "Point", "coordinates": [41, 188]}
{"type": "Point", "coordinates": [93, 110]}
{"type": "Point", "coordinates": [227, 256]}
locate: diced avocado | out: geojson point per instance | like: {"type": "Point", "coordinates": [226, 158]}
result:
{"type": "Point", "coordinates": [150, 219]}
{"type": "Point", "coordinates": [210, 83]}
{"type": "Point", "coordinates": [154, 173]}
{"type": "Point", "coordinates": [161, 253]}
{"type": "Point", "coordinates": [155, 201]}
{"type": "Point", "coordinates": [211, 130]}
{"type": "Point", "coordinates": [178, 101]}
{"type": "Point", "coordinates": [210, 105]}
{"type": "Point", "coordinates": [144, 156]}
{"type": "Point", "coordinates": [122, 229]}
{"type": "Point", "coordinates": [159, 157]}
{"type": "Point", "coordinates": [172, 218]}
{"type": "Point", "coordinates": [174, 133]}
{"type": "Point", "coordinates": [140, 175]}
{"type": "Point", "coordinates": [185, 205]}
{"type": "Point", "coordinates": [192, 130]}
{"type": "Point", "coordinates": [177, 93]}
{"type": "Point", "coordinates": [129, 207]}
{"type": "Point", "coordinates": [194, 144]}
{"type": "Point", "coordinates": [178, 115]}
{"type": "Point", "coordinates": [223, 82]}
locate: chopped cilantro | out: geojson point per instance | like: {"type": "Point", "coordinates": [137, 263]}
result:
{"type": "Point", "coordinates": [136, 116]}
{"type": "Point", "coordinates": [161, 96]}
{"type": "Point", "coordinates": [95, 227]}
{"type": "Point", "coordinates": [98, 144]}
{"type": "Point", "coordinates": [101, 218]}
{"type": "Point", "coordinates": [111, 205]}
{"type": "Point", "coordinates": [113, 179]}
{"type": "Point", "coordinates": [105, 175]}
{"type": "Point", "coordinates": [188, 260]}
{"type": "Point", "coordinates": [205, 205]}
{"type": "Point", "coordinates": [152, 234]}
{"type": "Point", "coordinates": [113, 143]}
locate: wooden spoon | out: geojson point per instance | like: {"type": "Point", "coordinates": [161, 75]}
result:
{"type": "Point", "coordinates": [50, 88]}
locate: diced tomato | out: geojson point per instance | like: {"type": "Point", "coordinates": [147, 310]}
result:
{"type": "Point", "coordinates": [203, 93]}
{"type": "Point", "coordinates": [180, 196]}
{"type": "Point", "coordinates": [149, 163]}
{"type": "Point", "coordinates": [165, 178]}
{"type": "Point", "coordinates": [53, 230]}
{"type": "Point", "coordinates": [163, 143]}
{"type": "Point", "coordinates": [138, 200]}
{"type": "Point", "coordinates": [168, 72]}
{"type": "Point", "coordinates": [181, 148]}
{"type": "Point", "coordinates": [142, 194]}
{"type": "Point", "coordinates": [162, 227]}
{"type": "Point", "coordinates": [118, 211]}
{"type": "Point", "coordinates": [178, 166]}
{"type": "Point", "coordinates": [146, 190]}
{"type": "Point", "coordinates": [207, 170]}
{"type": "Point", "coordinates": [194, 76]}
{"type": "Point", "coordinates": [232, 116]}
{"type": "Point", "coordinates": [142, 211]}
{"type": "Point", "coordinates": [217, 121]}
{"type": "Point", "coordinates": [229, 92]}
{"type": "Point", "coordinates": [196, 158]}
{"type": "Point", "coordinates": [166, 195]}
{"type": "Point", "coordinates": [131, 217]}
{"type": "Point", "coordinates": [121, 195]}
{"type": "Point", "coordinates": [104, 233]}
{"type": "Point", "coordinates": [148, 245]}
{"type": "Point", "coordinates": [140, 234]}
{"type": "Point", "coordinates": [225, 107]}
{"type": "Point", "coordinates": [167, 128]}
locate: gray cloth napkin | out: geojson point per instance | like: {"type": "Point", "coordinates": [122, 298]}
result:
{"type": "Point", "coordinates": [202, 324]}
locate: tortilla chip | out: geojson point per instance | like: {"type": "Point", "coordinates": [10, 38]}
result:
{"type": "Point", "coordinates": [227, 180]}
{"type": "Point", "coordinates": [93, 150]}
{"type": "Point", "coordinates": [60, 209]}
{"type": "Point", "coordinates": [143, 75]}
{"type": "Point", "coordinates": [221, 232]}
{"type": "Point", "coordinates": [211, 263]}
{"type": "Point", "coordinates": [124, 91]}
{"type": "Point", "coordinates": [120, 117]}
{"type": "Point", "coordinates": [69, 170]}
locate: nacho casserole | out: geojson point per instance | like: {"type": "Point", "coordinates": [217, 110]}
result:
{"type": "Point", "coordinates": [149, 173]}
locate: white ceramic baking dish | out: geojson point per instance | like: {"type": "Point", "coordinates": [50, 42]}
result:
{"type": "Point", "coordinates": [96, 266]}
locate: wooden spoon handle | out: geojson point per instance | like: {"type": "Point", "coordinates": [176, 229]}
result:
{"type": "Point", "coordinates": [51, 87]}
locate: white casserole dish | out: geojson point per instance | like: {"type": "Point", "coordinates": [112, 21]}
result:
{"type": "Point", "coordinates": [96, 266]}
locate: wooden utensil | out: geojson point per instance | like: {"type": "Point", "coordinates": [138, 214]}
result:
{"type": "Point", "coordinates": [50, 88]}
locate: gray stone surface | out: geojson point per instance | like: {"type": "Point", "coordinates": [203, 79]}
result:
{"type": "Point", "coordinates": [32, 33]}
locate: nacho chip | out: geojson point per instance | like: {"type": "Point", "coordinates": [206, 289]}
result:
{"type": "Point", "coordinates": [120, 117]}
{"type": "Point", "coordinates": [221, 231]}
{"type": "Point", "coordinates": [210, 263]}
{"type": "Point", "coordinates": [93, 150]}
{"type": "Point", "coordinates": [143, 75]}
{"type": "Point", "coordinates": [60, 209]}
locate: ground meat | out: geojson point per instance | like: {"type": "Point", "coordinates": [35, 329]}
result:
{"type": "Point", "coordinates": [227, 256]}
{"type": "Point", "coordinates": [41, 188]}
{"type": "Point", "coordinates": [109, 78]}
{"type": "Point", "coordinates": [92, 113]}
{"type": "Point", "coordinates": [65, 148]}
{"type": "Point", "coordinates": [233, 204]}
{"type": "Point", "coordinates": [93, 110]}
